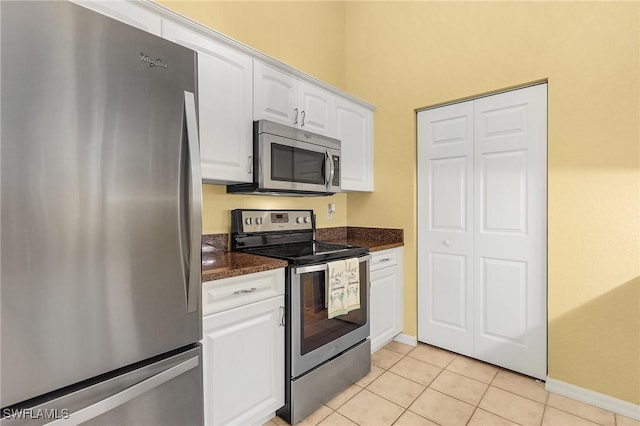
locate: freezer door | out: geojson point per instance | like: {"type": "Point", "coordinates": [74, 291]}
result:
{"type": "Point", "coordinates": [165, 392]}
{"type": "Point", "coordinates": [100, 197]}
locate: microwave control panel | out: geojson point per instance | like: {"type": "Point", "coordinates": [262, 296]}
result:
{"type": "Point", "coordinates": [249, 221]}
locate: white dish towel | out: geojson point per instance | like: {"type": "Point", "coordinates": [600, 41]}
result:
{"type": "Point", "coordinates": [336, 288]}
{"type": "Point", "coordinates": [353, 283]}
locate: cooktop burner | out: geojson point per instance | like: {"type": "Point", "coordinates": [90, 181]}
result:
{"type": "Point", "coordinates": [285, 234]}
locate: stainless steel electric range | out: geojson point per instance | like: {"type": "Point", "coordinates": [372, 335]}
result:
{"type": "Point", "coordinates": [324, 354]}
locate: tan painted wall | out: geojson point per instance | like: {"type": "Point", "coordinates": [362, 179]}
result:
{"type": "Point", "coordinates": [280, 30]}
{"type": "Point", "coordinates": [406, 55]}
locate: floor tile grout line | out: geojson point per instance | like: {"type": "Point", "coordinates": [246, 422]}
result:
{"type": "Point", "coordinates": [352, 396]}
{"type": "Point", "coordinates": [420, 394]}
{"type": "Point", "coordinates": [434, 365]}
{"type": "Point", "coordinates": [423, 390]}
{"type": "Point", "coordinates": [498, 415]}
{"type": "Point", "coordinates": [478, 404]}
{"type": "Point", "coordinates": [544, 413]}
{"type": "Point", "coordinates": [419, 383]}
{"type": "Point", "coordinates": [363, 389]}
{"type": "Point", "coordinates": [521, 396]}
{"type": "Point", "coordinates": [324, 418]}
{"type": "Point", "coordinates": [615, 420]}
{"type": "Point", "coordinates": [456, 398]}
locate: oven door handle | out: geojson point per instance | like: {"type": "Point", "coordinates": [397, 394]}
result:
{"type": "Point", "coordinates": [322, 267]}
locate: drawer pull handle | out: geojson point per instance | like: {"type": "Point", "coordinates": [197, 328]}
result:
{"type": "Point", "coordinates": [386, 259]}
{"type": "Point", "coordinates": [239, 292]}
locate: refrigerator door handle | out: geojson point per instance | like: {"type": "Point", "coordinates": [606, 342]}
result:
{"type": "Point", "coordinates": [194, 273]}
{"type": "Point", "coordinates": [95, 410]}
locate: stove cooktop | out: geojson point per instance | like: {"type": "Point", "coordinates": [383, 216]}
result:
{"type": "Point", "coordinates": [285, 234]}
{"type": "Point", "coordinates": [309, 252]}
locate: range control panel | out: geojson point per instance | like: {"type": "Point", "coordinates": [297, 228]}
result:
{"type": "Point", "coordinates": [248, 221]}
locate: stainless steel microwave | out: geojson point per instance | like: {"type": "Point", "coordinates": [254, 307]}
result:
{"type": "Point", "coordinates": [290, 161]}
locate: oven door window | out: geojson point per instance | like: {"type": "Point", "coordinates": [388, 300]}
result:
{"type": "Point", "coordinates": [317, 329]}
{"type": "Point", "coordinates": [291, 164]}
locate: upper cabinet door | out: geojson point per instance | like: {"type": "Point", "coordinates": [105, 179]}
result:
{"type": "Point", "coordinates": [128, 12]}
{"type": "Point", "coordinates": [225, 96]}
{"type": "Point", "coordinates": [354, 128]}
{"type": "Point", "coordinates": [275, 96]}
{"type": "Point", "coordinates": [316, 109]}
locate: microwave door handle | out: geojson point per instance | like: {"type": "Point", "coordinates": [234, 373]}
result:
{"type": "Point", "coordinates": [331, 168]}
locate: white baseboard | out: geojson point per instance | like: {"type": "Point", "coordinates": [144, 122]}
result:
{"type": "Point", "coordinates": [597, 399]}
{"type": "Point", "coordinates": [406, 339]}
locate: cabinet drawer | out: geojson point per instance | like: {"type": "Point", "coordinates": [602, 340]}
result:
{"type": "Point", "coordinates": [220, 295]}
{"type": "Point", "coordinates": [383, 259]}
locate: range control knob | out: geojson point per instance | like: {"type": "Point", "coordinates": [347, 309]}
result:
{"type": "Point", "coordinates": [307, 219]}
{"type": "Point", "coordinates": [258, 221]}
{"type": "Point", "coordinates": [299, 219]}
{"type": "Point", "coordinates": [248, 221]}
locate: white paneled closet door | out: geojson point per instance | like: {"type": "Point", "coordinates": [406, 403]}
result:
{"type": "Point", "coordinates": [507, 228]}
{"type": "Point", "coordinates": [445, 227]}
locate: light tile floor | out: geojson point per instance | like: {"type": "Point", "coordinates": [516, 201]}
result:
{"type": "Point", "coordinates": [426, 385]}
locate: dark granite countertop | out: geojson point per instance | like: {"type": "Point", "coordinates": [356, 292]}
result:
{"type": "Point", "coordinates": [219, 265]}
{"type": "Point", "coordinates": [375, 239]}
{"type": "Point", "coordinates": [218, 262]}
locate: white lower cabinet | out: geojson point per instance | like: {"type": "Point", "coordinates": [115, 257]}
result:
{"type": "Point", "coordinates": [243, 351]}
{"type": "Point", "coordinates": [386, 296]}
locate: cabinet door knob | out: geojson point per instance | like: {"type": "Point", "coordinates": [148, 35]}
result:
{"type": "Point", "coordinates": [250, 164]}
{"type": "Point", "coordinates": [282, 323]}
{"type": "Point", "coordinates": [447, 242]}
{"type": "Point", "coordinates": [303, 114]}
{"type": "Point", "coordinates": [295, 120]}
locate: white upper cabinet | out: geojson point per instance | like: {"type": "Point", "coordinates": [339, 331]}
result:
{"type": "Point", "coordinates": [225, 98]}
{"type": "Point", "coordinates": [316, 109]}
{"type": "Point", "coordinates": [284, 99]}
{"type": "Point", "coordinates": [130, 13]}
{"type": "Point", "coordinates": [275, 95]}
{"type": "Point", "coordinates": [354, 128]}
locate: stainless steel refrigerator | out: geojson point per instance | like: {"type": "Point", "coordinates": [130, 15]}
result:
{"type": "Point", "coordinates": [100, 222]}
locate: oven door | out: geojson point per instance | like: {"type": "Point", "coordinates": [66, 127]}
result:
{"type": "Point", "coordinates": [314, 337]}
{"type": "Point", "coordinates": [292, 165]}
